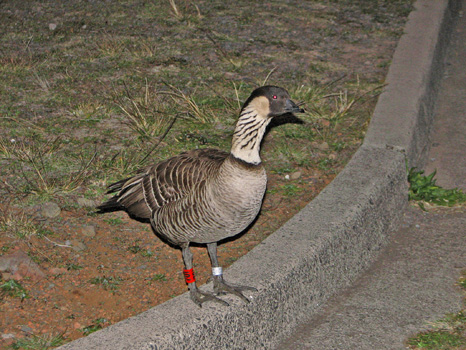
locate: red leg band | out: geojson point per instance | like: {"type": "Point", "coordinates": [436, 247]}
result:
{"type": "Point", "coordinates": [189, 276]}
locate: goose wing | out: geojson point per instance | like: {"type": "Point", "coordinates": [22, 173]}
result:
{"type": "Point", "coordinates": [164, 182]}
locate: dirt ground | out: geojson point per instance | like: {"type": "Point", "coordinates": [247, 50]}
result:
{"type": "Point", "coordinates": [96, 270]}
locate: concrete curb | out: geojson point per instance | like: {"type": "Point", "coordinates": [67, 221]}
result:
{"type": "Point", "coordinates": [333, 238]}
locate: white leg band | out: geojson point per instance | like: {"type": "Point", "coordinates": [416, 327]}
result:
{"type": "Point", "coordinates": [217, 271]}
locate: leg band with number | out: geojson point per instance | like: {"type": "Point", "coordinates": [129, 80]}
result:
{"type": "Point", "coordinates": [217, 271]}
{"type": "Point", "coordinates": [189, 276]}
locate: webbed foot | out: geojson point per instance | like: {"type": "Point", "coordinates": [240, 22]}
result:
{"type": "Point", "coordinates": [200, 297]}
{"type": "Point", "coordinates": [221, 287]}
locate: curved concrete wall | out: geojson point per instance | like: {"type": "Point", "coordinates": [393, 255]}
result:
{"type": "Point", "coordinates": [333, 238]}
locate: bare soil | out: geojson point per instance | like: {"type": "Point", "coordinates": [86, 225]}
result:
{"type": "Point", "coordinates": [124, 269]}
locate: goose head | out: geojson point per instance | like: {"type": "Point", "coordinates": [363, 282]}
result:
{"type": "Point", "coordinates": [264, 103]}
{"type": "Point", "coordinates": [270, 101]}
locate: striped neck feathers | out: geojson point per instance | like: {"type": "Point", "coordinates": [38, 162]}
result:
{"type": "Point", "coordinates": [250, 130]}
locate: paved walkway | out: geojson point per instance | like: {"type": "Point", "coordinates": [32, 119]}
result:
{"type": "Point", "coordinates": [413, 280]}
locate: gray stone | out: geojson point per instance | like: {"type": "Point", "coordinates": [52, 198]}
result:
{"type": "Point", "coordinates": [77, 246]}
{"type": "Point", "coordinates": [85, 202]}
{"type": "Point", "coordinates": [296, 175]}
{"type": "Point", "coordinates": [88, 230]}
{"type": "Point", "coordinates": [50, 210]}
{"type": "Point", "coordinates": [323, 146]}
{"type": "Point", "coordinates": [18, 265]}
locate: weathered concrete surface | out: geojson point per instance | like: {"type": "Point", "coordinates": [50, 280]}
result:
{"type": "Point", "coordinates": [448, 150]}
{"type": "Point", "coordinates": [403, 115]}
{"type": "Point", "coordinates": [413, 280]}
{"type": "Point", "coordinates": [325, 246]}
{"type": "Point", "coordinates": [410, 284]}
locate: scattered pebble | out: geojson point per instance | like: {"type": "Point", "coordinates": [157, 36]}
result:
{"type": "Point", "coordinates": [323, 146]}
{"type": "Point", "coordinates": [26, 329]}
{"type": "Point", "coordinates": [88, 230]}
{"type": "Point", "coordinates": [77, 246]}
{"type": "Point", "coordinates": [19, 265]}
{"type": "Point", "coordinates": [84, 202]}
{"type": "Point", "coordinates": [296, 175]}
{"type": "Point", "coordinates": [8, 336]}
{"type": "Point", "coordinates": [52, 26]}
{"type": "Point", "coordinates": [50, 210]}
{"type": "Point", "coordinates": [58, 270]}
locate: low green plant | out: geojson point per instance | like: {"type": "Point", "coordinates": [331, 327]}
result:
{"type": "Point", "coordinates": [39, 342]}
{"type": "Point", "coordinates": [73, 267]}
{"type": "Point", "coordinates": [18, 224]}
{"type": "Point", "coordinates": [424, 189]}
{"type": "Point", "coordinates": [13, 289]}
{"type": "Point", "coordinates": [201, 113]}
{"type": "Point", "coordinates": [40, 164]}
{"type": "Point", "coordinates": [95, 326]}
{"type": "Point", "coordinates": [134, 249]}
{"type": "Point", "coordinates": [149, 114]}
{"type": "Point", "coordinates": [113, 221]}
{"type": "Point", "coordinates": [157, 277]}
{"type": "Point", "coordinates": [108, 283]}
{"type": "Point", "coordinates": [183, 15]}
{"type": "Point", "coordinates": [448, 333]}
{"type": "Point", "coordinates": [291, 189]}
{"type": "Point", "coordinates": [438, 340]}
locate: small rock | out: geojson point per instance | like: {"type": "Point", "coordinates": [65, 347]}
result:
{"type": "Point", "coordinates": [20, 265]}
{"type": "Point", "coordinates": [296, 175]}
{"type": "Point", "coordinates": [88, 230]}
{"type": "Point", "coordinates": [52, 26]}
{"type": "Point", "coordinates": [58, 270]}
{"type": "Point", "coordinates": [323, 146]}
{"type": "Point", "coordinates": [8, 336]}
{"type": "Point", "coordinates": [78, 246]}
{"type": "Point", "coordinates": [50, 210]}
{"type": "Point", "coordinates": [84, 202]}
{"type": "Point", "coordinates": [332, 156]}
{"type": "Point", "coordinates": [26, 329]}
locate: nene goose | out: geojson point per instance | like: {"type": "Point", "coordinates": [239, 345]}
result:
{"type": "Point", "coordinates": [206, 195]}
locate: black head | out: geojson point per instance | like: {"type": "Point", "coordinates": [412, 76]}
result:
{"type": "Point", "coordinates": [276, 102]}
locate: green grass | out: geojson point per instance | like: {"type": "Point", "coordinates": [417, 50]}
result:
{"type": "Point", "coordinates": [158, 277]}
{"type": "Point", "coordinates": [18, 224]}
{"type": "Point", "coordinates": [448, 333]}
{"type": "Point", "coordinates": [13, 289]}
{"type": "Point", "coordinates": [95, 326]}
{"type": "Point", "coordinates": [36, 342]}
{"type": "Point", "coordinates": [113, 221]}
{"type": "Point", "coordinates": [438, 340]}
{"type": "Point", "coordinates": [97, 98]}
{"type": "Point", "coordinates": [107, 282]}
{"type": "Point", "coordinates": [424, 189]}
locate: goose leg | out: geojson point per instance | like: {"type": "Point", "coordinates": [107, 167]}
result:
{"type": "Point", "coordinates": [220, 285]}
{"type": "Point", "coordinates": [197, 296]}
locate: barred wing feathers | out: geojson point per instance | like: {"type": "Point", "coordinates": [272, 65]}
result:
{"type": "Point", "coordinates": [165, 182]}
